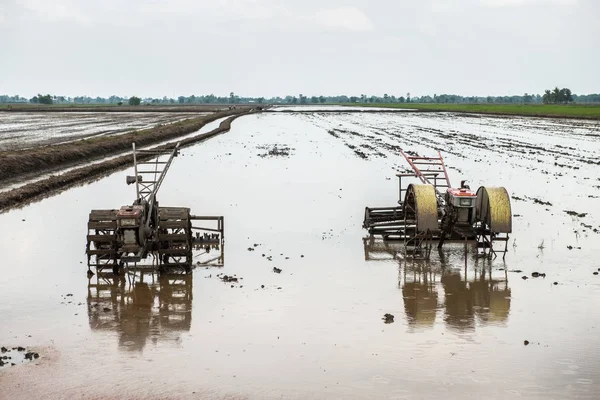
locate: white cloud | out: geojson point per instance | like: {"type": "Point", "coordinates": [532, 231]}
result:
{"type": "Point", "coordinates": [57, 10]}
{"type": "Point", "coordinates": [253, 9]}
{"type": "Point", "coordinates": [221, 9]}
{"type": "Point", "coordinates": [347, 18]}
{"type": "Point", "coordinates": [509, 3]}
{"type": "Point", "coordinates": [278, 42]}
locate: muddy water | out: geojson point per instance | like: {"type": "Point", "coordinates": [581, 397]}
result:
{"type": "Point", "coordinates": [315, 330]}
{"type": "Point", "coordinates": [22, 130]}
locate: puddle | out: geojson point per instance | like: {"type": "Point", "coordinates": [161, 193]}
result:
{"type": "Point", "coordinates": [316, 328]}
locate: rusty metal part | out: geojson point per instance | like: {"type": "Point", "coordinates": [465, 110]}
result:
{"type": "Point", "coordinates": [493, 208]}
{"type": "Point", "coordinates": [422, 202]}
{"type": "Point", "coordinates": [122, 239]}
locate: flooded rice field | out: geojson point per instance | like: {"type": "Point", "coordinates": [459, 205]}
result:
{"type": "Point", "coordinates": [305, 318]}
{"type": "Point", "coordinates": [27, 129]}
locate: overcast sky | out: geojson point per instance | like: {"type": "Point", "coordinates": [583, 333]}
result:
{"type": "Point", "coordinates": [279, 47]}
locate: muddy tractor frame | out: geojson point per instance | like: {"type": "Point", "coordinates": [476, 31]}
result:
{"type": "Point", "coordinates": [167, 236]}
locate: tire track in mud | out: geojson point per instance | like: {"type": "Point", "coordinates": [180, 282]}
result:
{"type": "Point", "coordinates": [560, 156]}
{"type": "Point", "coordinates": [504, 143]}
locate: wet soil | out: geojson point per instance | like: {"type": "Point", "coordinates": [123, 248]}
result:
{"type": "Point", "coordinates": [79, 109]}
{"type": "Point", "coordinates": [38, 159]}
{"type": "Point", "coordinates": [30, 129]}
{"type": "Point", "coordinates": [317, 329]}
{"type": "Point", "coordinates": [43, 188]}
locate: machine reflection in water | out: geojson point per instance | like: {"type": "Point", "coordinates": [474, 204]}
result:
{"type": "Point", "coordinates": [140, 306]}
{"type": "Point", "coordinates": [463, 292]}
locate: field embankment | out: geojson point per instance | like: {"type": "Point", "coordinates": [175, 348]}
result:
{"type": "Point", "coordinates": [20, 162]}
{"type": "Point", "coordinates": [583, 111]}
{"type": "Point", "coordinates": [41, 189]}
{"type": "Point", "coordinates": [24, 107]}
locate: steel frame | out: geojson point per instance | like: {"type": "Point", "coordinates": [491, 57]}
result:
{"type": "Point", "coordinates": [172, 244]}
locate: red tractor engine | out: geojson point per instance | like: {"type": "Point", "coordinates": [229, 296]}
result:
{"type": "Point", "coordinates": [460, 203]}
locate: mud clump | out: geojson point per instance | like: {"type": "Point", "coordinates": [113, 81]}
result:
{"type": "Point", "coordinates": [277, 270]}
{"type": "Point", "coordinates": [544, 203]}
{"type": "Point", "coordinates": [228, 279]}
{"type": "Point", "coordinates": [388, 318]}
{"type": "Point", "coordinates": [276, 151]}
{"type": "Point", "coordinates": [526, 342]}
{"type": "Point", "coordinates": [361, 154]}
{"type": "Point", "coordinates": [575, 214]}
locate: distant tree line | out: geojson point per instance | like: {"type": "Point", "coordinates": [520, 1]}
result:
{"type": "Point", "coordinates": [43, 99]}
{"type": "Point", "coordinates": [555, 96]}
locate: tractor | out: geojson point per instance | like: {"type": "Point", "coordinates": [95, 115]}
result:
{"type": "Point", "coordinates": [435, 211]}
{"type": "Point", "coordinates": [123, 238]}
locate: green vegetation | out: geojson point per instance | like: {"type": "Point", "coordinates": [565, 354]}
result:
{"type": "Point", "coordinates": [555, 96]}
{"type": "Point", "coordinates": [541, 110]}
{"type": "Point", "coordinates": [562, 96]}
{"type": "Point", "coordinates": [47, 99]}
{"type": "Point", "coordinates": [134, 101]}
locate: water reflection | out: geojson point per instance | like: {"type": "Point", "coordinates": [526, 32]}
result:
{"type": "Point", "coordinates": [476, 293]}
{"type": "Point", "coordinates": [462, 292]}
{"type": "Point", "coordinates": [140, 307]}
{"type": "Point", "coordinates": [420, 295]}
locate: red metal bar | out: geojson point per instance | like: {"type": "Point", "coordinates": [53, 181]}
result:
{"type": "Point", "coordinates": [444, 167]}
{"type": "Point", "coordinates": [424, 175]}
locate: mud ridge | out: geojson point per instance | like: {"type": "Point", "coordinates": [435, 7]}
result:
{"type": "Point", "coordinates": [21, 162]}
{"type": "Point", "coordinates": [121, 109]}
{"type": "Point", "coordinates": [42, 189]}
